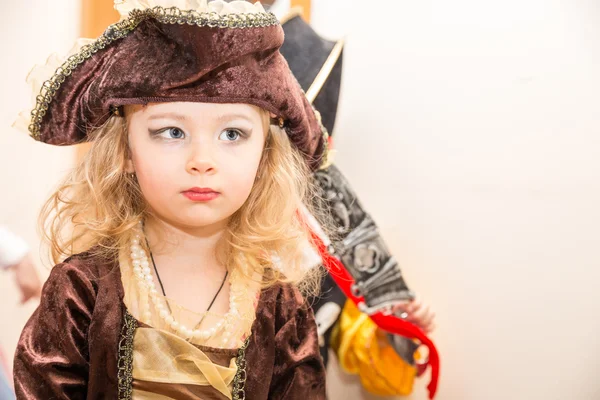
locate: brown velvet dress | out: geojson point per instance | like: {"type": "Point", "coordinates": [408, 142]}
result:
{"type": "Point", "coordinates": [78, 343]}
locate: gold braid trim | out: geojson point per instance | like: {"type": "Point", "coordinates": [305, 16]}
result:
{"type": "Point", "coordinates": [123, 28]}
{"type": "Point", "coordinates": [239, 381]}
{"type": "Point", "coordinates": [125, 361]}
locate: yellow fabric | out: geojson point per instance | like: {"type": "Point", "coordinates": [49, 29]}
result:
{"type": "Point", "coordinates": [144, 395]}
{"type": "Point", "coordinates": [364, 350]}
{"type": "Point", "coordinates": [163, 357]}
{"type": "Point", "coordinates": [136, 299]}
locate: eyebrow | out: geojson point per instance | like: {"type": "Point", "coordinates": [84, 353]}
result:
{"type": "Point", "coordinates": [229, 117]}
{"type": "Point", "coordinates": [175, 116]}
{"type": "Point", "coordinates": [183, 117]}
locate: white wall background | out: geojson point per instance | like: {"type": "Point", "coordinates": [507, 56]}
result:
{"type": "Point", "coordinates": [471, 131]}
{"type": "Point", "coordinates": [30, 31]}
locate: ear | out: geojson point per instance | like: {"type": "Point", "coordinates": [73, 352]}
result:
{"type": "Point", "coordinates": [129, 167]}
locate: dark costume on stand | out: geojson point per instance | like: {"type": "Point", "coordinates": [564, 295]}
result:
{"type": "Point", "coordinates": [358, 247]}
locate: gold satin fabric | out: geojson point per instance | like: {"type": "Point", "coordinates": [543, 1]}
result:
{"type": "Point", "coordinates": [166, 358]}
{"type": "Point", "coordinates": [364, 350]}
{"type": "Point", "coordinates": [162, 357]}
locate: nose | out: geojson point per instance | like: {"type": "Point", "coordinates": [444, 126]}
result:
{"type": "Point", "coordinates": [201, 159]}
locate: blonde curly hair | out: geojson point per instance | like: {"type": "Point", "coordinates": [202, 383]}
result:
{"type": "Point", "coordinates": [98, 206]}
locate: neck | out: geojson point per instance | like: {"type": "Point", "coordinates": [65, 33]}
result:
{"type": "Point", "coordinates": [192, 246]}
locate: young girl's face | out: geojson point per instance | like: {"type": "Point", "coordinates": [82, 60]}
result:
{"type": "Point", "coordinates": [195, 162]}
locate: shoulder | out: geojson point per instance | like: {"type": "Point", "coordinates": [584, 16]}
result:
{"type": "Point", "coordinates": [284, 303]}
{"type": "Point", "coordinates": [283, 294]}
{"type": "Point", "coordinates": [82, 268]}
{"type": "Point", "coordinates": [75, 286]}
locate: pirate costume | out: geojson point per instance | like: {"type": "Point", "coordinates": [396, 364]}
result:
{"type": "Point", "coordinates": [101, 330]}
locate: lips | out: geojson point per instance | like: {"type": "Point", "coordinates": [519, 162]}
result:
{"type": "Point", "coordinates": [201, 190]}
{"type": "Point", "coordinates": [201, 194]}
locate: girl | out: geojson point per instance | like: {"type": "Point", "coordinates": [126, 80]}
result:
{"type": "Point", "coordinates": [181, 226]}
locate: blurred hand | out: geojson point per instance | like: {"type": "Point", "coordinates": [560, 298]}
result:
{"type": "Point", "coordinates": [417, 313]}
{"type": "Point", "coordinates": [27, 279]}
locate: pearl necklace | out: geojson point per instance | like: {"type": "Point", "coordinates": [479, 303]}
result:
{"type": "Point", "coordinates": [145, 279]}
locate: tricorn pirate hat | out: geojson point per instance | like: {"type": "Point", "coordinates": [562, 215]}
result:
{"type": "Point", "coordinates": [174, 50]}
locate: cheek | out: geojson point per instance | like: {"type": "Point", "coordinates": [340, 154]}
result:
{"type": "Point", "coordinates": [241, 172]}
{"type": "Point", "coordinates": [154, 170]}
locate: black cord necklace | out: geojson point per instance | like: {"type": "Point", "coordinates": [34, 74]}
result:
{"type": "Point", "coordinates": [162, 288]}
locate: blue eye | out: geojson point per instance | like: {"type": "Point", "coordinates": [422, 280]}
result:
{"type": "Point", "coordinates": [230, 135]}
{"type": "Point", "coordinates": [171, 133]}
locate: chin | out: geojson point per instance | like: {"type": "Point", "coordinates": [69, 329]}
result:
{"type": "Point", "coordinates": [194, 217]}
{"type": "Point", "coordinates": [193, 220]}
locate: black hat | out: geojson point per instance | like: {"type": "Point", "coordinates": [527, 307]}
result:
{"type": "Point", "coordinates": [316, 63]}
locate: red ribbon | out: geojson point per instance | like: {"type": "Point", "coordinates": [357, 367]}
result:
{"type": "Point", "coordinates": [389, 323]}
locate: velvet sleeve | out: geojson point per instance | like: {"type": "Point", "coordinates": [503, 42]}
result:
{"type": "Point", "coordinates": [298, 372]}
{"type": "Point", "coordinates": [52, 357]}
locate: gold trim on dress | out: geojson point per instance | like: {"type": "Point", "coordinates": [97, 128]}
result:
{"type": "Point", "coordinates": [239, 381]}
{"type": "Point", "coordinates": [125, 360]}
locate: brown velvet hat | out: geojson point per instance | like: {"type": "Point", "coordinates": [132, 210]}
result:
{"type": "Point", "coordinates": [214, 52]}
